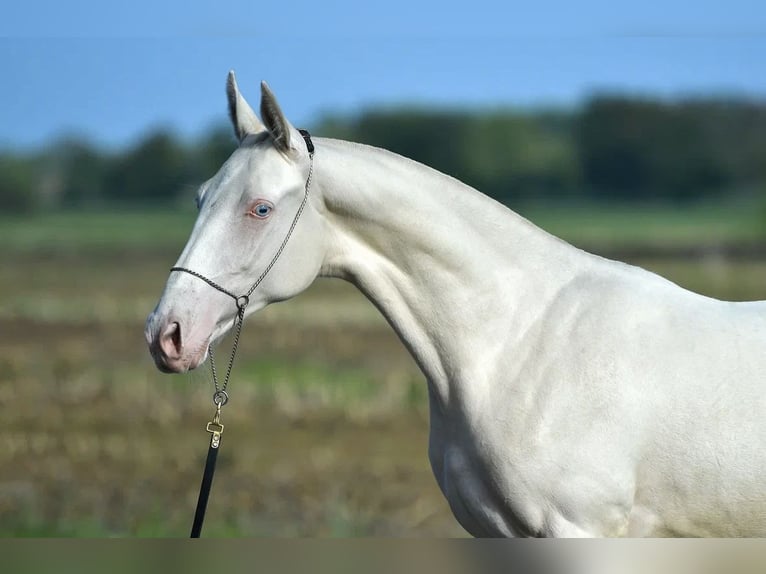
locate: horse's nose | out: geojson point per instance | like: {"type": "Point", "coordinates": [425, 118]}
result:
{"type": "Point", "coordinates": [171, 342]}
{"type": "Point", "coordinates": [175, 349]}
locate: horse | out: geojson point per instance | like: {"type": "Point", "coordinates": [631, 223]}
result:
{"type": "Point", "coordinates": [569, 395]}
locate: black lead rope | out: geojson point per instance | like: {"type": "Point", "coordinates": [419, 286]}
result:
{"type": "Point", "coordinates": [216, 429]}
{"type": "Point", "coordinates": [220, 396]}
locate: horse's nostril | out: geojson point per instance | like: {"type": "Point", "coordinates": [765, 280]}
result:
{"type": "Point", "coordinates": [170, 340]}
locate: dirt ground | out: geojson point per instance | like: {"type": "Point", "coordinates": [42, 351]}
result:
{"type": "Point", "coordinates": [326, 433]}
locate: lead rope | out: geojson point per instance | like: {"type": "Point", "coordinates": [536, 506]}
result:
{"type": "Point", "coordinates": [220, 396]}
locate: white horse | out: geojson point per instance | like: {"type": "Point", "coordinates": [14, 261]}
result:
{"type": "Point", "coordinates": [569, 395]}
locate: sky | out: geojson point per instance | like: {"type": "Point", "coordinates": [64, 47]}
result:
{"type": "Point", "coordinates": [112, 73]}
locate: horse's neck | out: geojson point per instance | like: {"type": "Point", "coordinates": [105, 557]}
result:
{"type": "Point", "coordinates": [455, 273]}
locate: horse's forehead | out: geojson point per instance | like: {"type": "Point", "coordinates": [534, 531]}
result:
{"type": "Point", "coordinates": [259, 160]}
{"type": "Point", "coordinates": [259, 166]}
{"type": "Point", "coordinates": [243, 164]}
{"type": "Point", "coordinates": [240, 164]}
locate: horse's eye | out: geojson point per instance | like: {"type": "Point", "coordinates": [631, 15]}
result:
{"type": "Point", "coordinates": [262, 210]}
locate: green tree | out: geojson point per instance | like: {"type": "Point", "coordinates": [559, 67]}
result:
{"type": "Point", "coordinates": [18, 191]}
{"type": "Point", "coordinates": [507, 155]}
{"type": "Point", "coordinates": [154, 170]}
{"type": "Point", "coordinates": [210, 153]}
{"type": "Point", "coordinates": [83, 172]}
{"type": "Point", "coordinates": [647, 149]}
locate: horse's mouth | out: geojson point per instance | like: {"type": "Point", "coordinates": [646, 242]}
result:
{"type": "Point", "coordinates": [179, 349]}
{"type": "Point", "coordinates": [180, 364]}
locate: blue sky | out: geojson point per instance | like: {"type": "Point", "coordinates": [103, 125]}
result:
{"type": "Point", "coordinates": [112, 73]}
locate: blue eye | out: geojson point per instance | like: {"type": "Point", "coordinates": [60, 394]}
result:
{"type": "Point", "coordinates": [262, 210]}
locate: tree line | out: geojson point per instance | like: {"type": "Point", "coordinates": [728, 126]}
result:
{"type": "Point", "coordinates": [613, 148]}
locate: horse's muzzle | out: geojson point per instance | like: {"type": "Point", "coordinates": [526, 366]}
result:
{"type": "Point", "coordinates": [168, 346]}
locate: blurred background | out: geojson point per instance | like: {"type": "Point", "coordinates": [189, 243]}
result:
{"type": "Point", "coordinates": [638, 133]}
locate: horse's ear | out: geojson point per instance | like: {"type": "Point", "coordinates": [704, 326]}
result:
{"type": "Point", "coordinates": [242, 116]}
{"type": "Point", "coordinates": [279, 128]}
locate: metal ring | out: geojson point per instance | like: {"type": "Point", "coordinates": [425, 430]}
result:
{"type": "Point", "coordinates": [245, 302]}
{"type": "Point", "coordinates": [220, 398]}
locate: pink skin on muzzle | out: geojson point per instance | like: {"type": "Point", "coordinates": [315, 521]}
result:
{"type": "Point", "coordinates": [178, 345]}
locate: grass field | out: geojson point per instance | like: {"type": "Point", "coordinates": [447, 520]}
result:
{"type": "Point", "coordinates": [614, 227]}
{"type": "Point", "coordinates": [327, 429]}
{"type": "Point", "coordinates": [583, 224]}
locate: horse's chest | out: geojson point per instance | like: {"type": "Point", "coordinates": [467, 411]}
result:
{"type": "Point", "coordinates": [472, 486]}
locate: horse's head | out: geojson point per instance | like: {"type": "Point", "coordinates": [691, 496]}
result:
{"type": "Point", "coordinates": [245, 212]}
